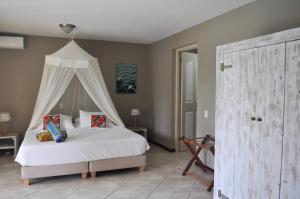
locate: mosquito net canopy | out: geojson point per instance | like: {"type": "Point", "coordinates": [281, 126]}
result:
{"type": "Point", "coordinates": [60, 67]}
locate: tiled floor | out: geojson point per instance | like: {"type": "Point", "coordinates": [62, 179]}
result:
{"type": "Point", "coordinates": [161, 180]}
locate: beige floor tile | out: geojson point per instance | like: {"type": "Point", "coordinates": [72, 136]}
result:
{"type": "Point", "coordinates": [162, 179]}
{"type": "Point", "coordinates": [199, 192]}
{"type": "Point", "coordinates": [139, 187]}
{"type": "Point", "coordinates": [96, 189]}
{"type": "Point", "coordinates": [174, 186]}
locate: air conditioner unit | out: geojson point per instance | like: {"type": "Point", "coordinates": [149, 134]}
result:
{"type": "Point", "coordinates": [10, 42]}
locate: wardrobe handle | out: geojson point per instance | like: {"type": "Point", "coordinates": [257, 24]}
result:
{"type": "Point", "coordinates": [253, 118]}
{"type": "Point", "coordinates": [259, 119]}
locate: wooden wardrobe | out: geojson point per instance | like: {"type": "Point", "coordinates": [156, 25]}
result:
{"type": "Point", "coordinates": [258, 118]}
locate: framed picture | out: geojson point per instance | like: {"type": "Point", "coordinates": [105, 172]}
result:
{"type": "Point", "coordinates": [126, 75]}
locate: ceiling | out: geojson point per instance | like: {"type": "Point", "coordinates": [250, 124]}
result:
{"type": "Point", "coordinates": [137, 21]}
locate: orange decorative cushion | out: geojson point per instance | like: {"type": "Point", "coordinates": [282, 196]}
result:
{"type": "Point", "coordinates": [54, 118]}
{"type": "Point", "coordinates": [98, 121]}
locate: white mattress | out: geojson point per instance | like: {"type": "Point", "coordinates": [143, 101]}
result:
{"type": "Point", "coordinates": [82, 144]}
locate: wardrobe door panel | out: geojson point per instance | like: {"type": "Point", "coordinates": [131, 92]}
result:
{"type": "Point", "coordinates": [290, 176]}
{"type": "Point", "coordinates": [270, 129]}
{"type": "Point", "coordinates": [256, 87]}
{"type": "Point", "coordinates": [219, 124]}
{"type": "Point", "coordinates": [230, 128]}
{"type": "Point", "coordinates": [247, 95]}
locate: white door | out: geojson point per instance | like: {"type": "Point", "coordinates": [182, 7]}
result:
{"type": "Point", "coordinates": [189, 66]}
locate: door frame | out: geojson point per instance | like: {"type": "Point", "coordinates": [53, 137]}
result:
{"type": "Point", "coordinates": [177, 119]}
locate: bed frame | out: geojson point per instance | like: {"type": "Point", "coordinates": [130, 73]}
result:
{"type": "Point", "coordinates": [82, 168]}
{"type": "Point", "coordinates": [117, 163]}
{"type": "Point", "coordinates": [53, 170]}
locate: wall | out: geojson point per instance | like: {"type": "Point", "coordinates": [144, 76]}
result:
{"type": "Point", "coordinates": [21, 72]}
{"type": "Point", "coordinates": [255, 19]}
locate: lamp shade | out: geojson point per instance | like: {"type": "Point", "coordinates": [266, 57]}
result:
{"type": "Point", "coordinates": [5, 117]}
{"type": "Point", "coordinates": [135, 112]}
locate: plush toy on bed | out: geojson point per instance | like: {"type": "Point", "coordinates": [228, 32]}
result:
{"type": "Point", "coordinates": [44, 136]}
{"type": "Point", "coordinates": [58, 136]}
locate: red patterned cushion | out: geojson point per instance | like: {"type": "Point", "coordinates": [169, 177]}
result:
{"type": "Point", "coordinates": [98, 121]}
{"type": "Point", "coordinates": [54, 118]}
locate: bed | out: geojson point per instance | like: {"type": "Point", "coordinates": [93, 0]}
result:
{"type": "Point", "coordinates": [85, 150]}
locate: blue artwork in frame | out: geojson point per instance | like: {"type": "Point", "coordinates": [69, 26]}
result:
{"type": "Point", "coordinates": [126, 75]}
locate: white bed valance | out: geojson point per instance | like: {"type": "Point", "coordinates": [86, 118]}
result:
{"type": "Point", "coordinates": [59, 69]}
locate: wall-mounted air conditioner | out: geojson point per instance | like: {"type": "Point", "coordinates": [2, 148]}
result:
{"type": "Point", "coordinates": [10, 42]}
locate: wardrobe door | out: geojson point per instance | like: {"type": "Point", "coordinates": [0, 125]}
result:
{"type": "Point", "coordinates": [256, 95]}
{"type": "Point", "coordinates": [258, 144]}
{"type": "Point", "coordinates": [247, 96]}
{"type": "Point", "coordinates": [290, 176]}
{"type": "Point", "coordinates": [227, 129]}
{"type": "Point", "coordinates": [267, 142]}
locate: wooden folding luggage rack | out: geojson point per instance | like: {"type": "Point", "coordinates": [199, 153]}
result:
{"type": "Point", "coordinates": [195, 146]}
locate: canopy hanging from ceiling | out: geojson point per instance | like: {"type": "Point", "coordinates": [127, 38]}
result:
{"type": "Point", "coordinates": [59, 69]}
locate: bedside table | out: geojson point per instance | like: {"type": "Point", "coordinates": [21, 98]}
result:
{"type": "Point", "coordinates": [4, 142]}
{"type": "Point", "coordinates": [140, 130]}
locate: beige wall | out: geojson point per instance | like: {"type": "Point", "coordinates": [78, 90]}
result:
{"type": "Point", "coordinates": [21, 72]}
{"type": "Point", "coordinates": [255, 19]}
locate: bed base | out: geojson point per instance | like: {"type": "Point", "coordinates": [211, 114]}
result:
{"type": "Point", "coordinates": [53, 170]}
{"type": "Point", "coordinates": [83, 168]}
{"type": "Point", "coordinates": [117, 163]}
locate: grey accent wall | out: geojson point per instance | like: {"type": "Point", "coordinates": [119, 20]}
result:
{"type": "Point", "coordinates": [21, 73]}
{"type": "Point", "coordinates": [255, 19]}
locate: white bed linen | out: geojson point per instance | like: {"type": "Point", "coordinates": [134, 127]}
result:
{"type": "Point", "coordinates": [82, 144]}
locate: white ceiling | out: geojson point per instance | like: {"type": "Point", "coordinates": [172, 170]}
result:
{"type": "Point", "coordinates": [137, 21]}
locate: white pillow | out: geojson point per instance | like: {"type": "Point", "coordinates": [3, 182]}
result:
{"type": "Point", "coordinates": [66, 122]}
{"type": "Point", "coordinates": [85, 118]}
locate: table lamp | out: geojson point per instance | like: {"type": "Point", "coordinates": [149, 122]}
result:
{"type": "Point", "coordinates": [134, 113]}
{"type": "Point", "coordinates": [4, 118]}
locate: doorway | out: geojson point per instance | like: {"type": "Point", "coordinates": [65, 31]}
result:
{"type": "Point", "coordinates": [186, 94]}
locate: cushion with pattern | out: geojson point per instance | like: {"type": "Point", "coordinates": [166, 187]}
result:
{"type": "Point", "coordinates": [53, 118]}
{"type": "Point", "coordinates": [98, 121]}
